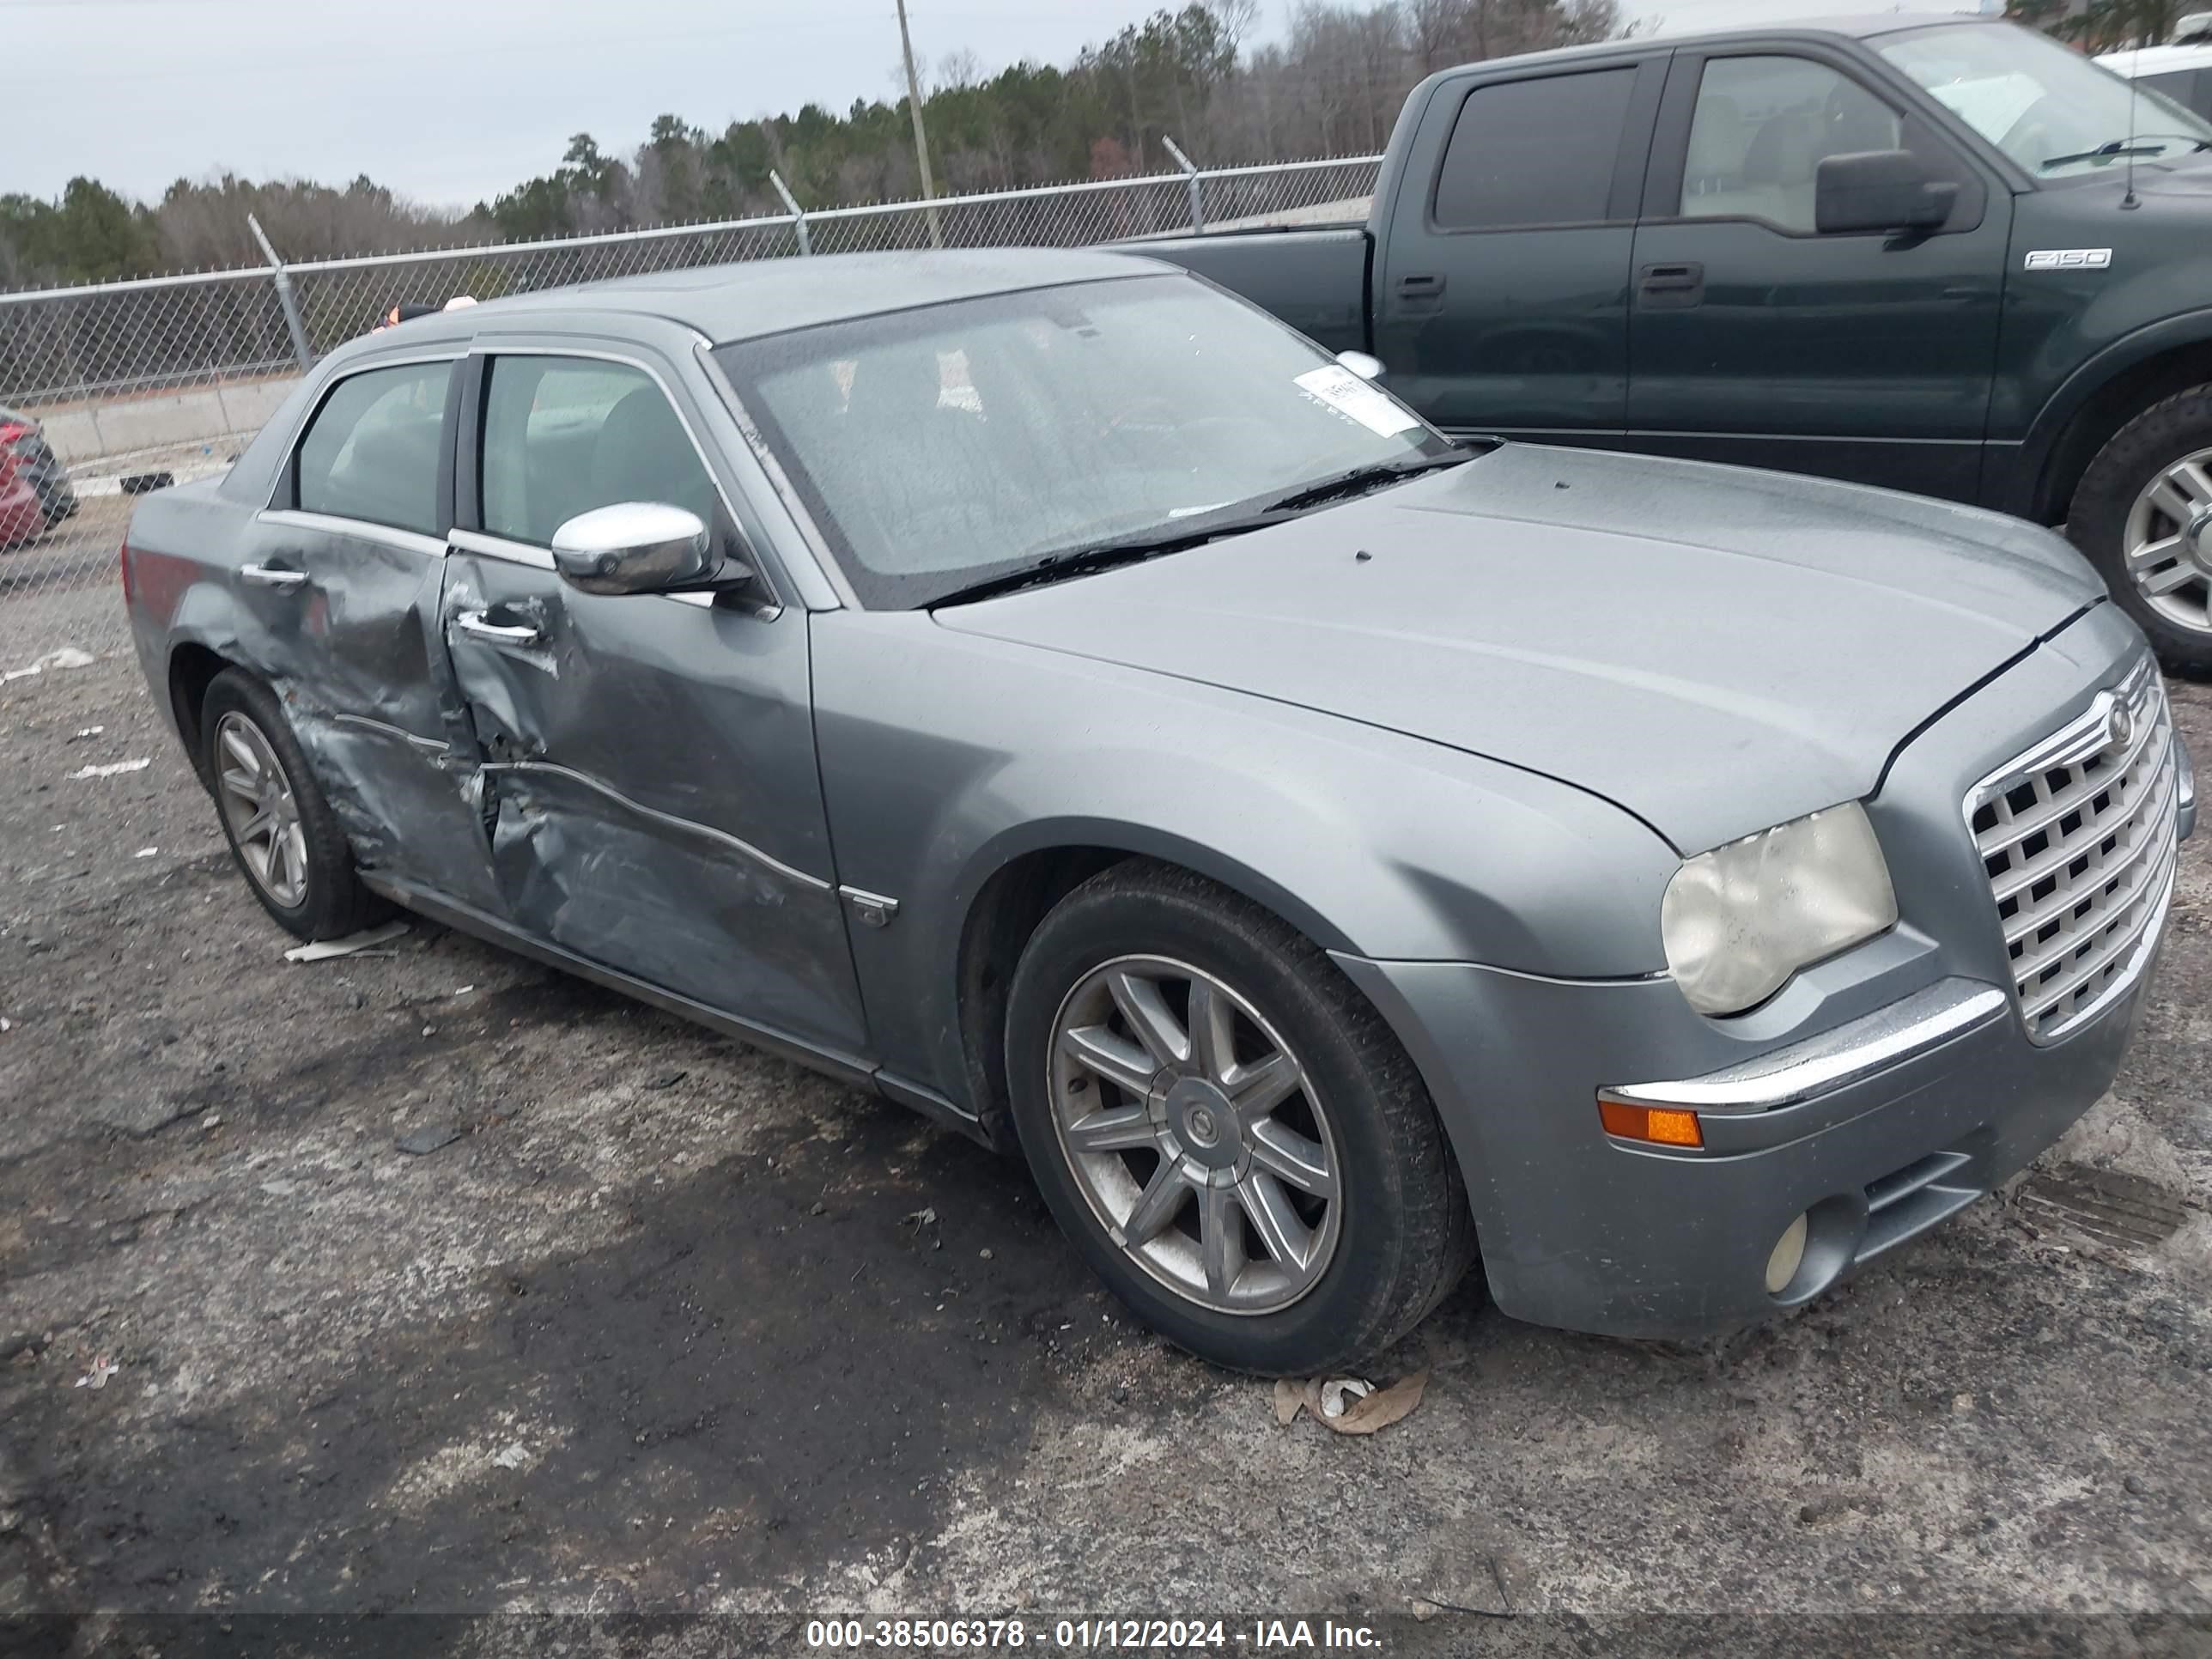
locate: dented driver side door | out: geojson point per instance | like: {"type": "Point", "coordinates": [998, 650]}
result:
{"type": "Point", "coordinates": [646, 762]}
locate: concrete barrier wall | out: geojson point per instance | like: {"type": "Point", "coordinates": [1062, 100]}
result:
{"type": "Point", "coordinates": [91, 432]}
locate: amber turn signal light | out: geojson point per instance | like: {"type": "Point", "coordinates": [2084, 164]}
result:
{"type": "Point", "coordinates": [1663, 1126]}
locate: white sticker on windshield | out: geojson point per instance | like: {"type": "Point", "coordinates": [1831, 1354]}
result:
{"type": "Point", "coordinates": [1346, 393]}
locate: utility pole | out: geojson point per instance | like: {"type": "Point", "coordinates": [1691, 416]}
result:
{"type": "Point", "coordinates": [920, 137]}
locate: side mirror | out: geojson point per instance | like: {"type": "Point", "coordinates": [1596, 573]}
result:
{"type": "Point", "coordinates": [1366, 367]}
{"type": "Point", "coordinates": [633, 547]}
{"type": "Point", "coordinates": [1879, 190]}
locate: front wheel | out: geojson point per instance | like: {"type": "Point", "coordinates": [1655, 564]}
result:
{"type": "Point", "coordinates": [2142, 514]}
{"type": "Point", "coordinates": [1227, 1130]}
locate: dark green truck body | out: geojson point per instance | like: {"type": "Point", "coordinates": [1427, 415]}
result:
{"type": "Point", "coordinates": [1614, 245]}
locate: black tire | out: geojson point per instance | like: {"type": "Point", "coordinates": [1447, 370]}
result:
{"type": "Point", "coordinates": [334, 904]}
{"type": "Point", "coordinates": [2097, 521]}
{"type": "Point", "coordinates": [1406, 1237]}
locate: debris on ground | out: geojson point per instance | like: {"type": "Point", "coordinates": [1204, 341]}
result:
{"type": "Point", "coordinates": [88, 731]}
{"type": "Point", "coordinates": [68, 657]}
{"type": "Point", "coordinates": [145, 851]}
{"type": "Point", "coordinates": [323, 950]}
{"type": "Point", "coordinates": [666, 1079]}
{"type": "Point", "coordinates": [114, 768]}
{"type": "Point", "coordinates": [7, 1025]}
{"type": "Point", "coordinates": [145, 483]}
{"type": "Point", "coordinates": [428, 1139]}
{"type": "Point", "coordinates": [1349, 1405]}
{"type": "Point", "coordinates": [102, 1369]}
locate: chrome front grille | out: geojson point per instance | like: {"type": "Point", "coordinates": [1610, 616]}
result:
{"type": "Point", "coordinates": [2079, 838]}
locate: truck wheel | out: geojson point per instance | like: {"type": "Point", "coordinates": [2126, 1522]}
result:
{"type": "Point", "coordinates": [2142, 514]}
{"type": "Point", "coordinates": [1226, 1130]}
{"type": "Point", "coordinates": [287, 843]}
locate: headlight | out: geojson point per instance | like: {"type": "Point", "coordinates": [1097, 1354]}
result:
{"type": "Point", "coordinates": [1739, 921]}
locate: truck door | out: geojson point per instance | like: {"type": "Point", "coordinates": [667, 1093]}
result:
{"type": "Point", "coordinates": [1754, 338]}
{"type": "Point", "coordinates": [1501, 285]}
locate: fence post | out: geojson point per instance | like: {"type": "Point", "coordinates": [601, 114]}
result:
{"type": "Point", "coordinates": [1189, 183]}
{"type": "Point", "coordinates": [284, 296]}
{"type": "Point", "coordinates": [798, 213]}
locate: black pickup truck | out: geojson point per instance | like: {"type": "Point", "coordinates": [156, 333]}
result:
{"type": "Point", "coordinates": [1941, 254]}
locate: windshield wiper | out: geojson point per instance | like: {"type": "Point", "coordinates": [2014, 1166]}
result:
{"type": "Point", "coordinates": [2119, 147]}
{"type": "Point", "coordinates": [1361, 479]}
{"type": "Point", "coordinates": [1103, 555]}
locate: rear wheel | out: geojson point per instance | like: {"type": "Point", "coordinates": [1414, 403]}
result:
{"type": "Point", "coordinates": [2142, 514]}
{"type": "Point", "coordinates": [280, 830]}
{"type": "Point", "coordinates": [1228, 1131]}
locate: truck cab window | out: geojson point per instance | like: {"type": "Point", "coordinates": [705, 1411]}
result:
{"type": "Point", "coordinates": [1539, 152]}
{"type": "Point", "coordinates": [1762, 127]}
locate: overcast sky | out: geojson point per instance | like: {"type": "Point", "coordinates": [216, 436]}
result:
{"type": "Point", "coordinates": [453, 100]}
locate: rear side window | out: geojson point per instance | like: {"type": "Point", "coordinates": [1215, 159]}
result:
{"type": "Point", "coordinates": [1535, 152]}
{"type": "Point", "coordinates": [562, 436]}
{"type": "Point", "coordinates": [2190, 89]}
{"type": "Point", "coordinates": [372, 451]}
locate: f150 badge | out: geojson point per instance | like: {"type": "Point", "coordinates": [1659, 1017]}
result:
{"type": "Point", "coordinates": [2069, 259]}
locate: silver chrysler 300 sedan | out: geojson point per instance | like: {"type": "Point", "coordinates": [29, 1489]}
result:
{"type": "Point", "coordinates": [1043, 688]}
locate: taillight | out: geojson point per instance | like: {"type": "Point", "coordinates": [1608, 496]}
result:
{"type": "Point", "coordinates": [11, 431]}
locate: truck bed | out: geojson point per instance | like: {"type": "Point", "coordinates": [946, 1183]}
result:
{"type": "Point", "coordinates": [1315, 280]}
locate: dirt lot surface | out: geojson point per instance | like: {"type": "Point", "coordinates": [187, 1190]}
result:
{"type": "Point", "coordinates": [667, 1327]}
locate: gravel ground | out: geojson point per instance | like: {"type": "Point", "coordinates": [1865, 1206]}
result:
{"type": "Point", "coordinates": [668, 1327]}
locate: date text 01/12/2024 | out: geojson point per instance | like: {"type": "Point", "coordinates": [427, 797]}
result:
{"type": "Point", "coordinates": [1096, 1634]}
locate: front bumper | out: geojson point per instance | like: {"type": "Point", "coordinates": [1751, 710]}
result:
{"type": "Point", "coordinates": [1875, 1130]}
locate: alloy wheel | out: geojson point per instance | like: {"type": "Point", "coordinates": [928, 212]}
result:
{"type": "Point", "coordinates": [2168, 542]}
{"type": "Point", "coordinates": [1195, 1135]}
{"type": "Point", "coordinates": [258, 807]}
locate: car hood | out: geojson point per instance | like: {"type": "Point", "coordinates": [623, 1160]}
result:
{"type": "Point", "coordinates": [1715, 649]}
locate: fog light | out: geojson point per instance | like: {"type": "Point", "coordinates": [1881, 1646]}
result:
{"type": "Point", "coordinates": [1789, 1254]}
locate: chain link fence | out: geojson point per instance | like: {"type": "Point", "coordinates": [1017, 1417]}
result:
{"type": "Point", "coordinates": [110, 389]}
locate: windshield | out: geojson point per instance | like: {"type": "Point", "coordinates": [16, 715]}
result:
{"type": "Point", "coordinates": [946, 445]}
{"type": "Point", "coordinates": [2049, 108]}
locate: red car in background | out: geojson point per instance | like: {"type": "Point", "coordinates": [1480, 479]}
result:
{"type": "Point", "coordinates": [34, 486]}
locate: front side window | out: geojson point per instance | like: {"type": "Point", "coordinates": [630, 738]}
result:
{"type": "Point", "coordinates": [1761, 128]}
{"type": "Point", "coordinates": [371, 452]}
{"type": "Point", "coordinates": [2050, 109]}
{"type": "Point", "coordinates": [1536, 152]}
{"type": "Point", "coordinates": [562, 436]}
{"type": "Point", "coordinates": [953, 443]}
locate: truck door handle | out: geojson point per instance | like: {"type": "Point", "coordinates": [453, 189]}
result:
{"type": "Point", "coordinates": [1423, 291]}
{"type": "Point", "coordinates": [1671, 286]}
{"type": "Point", "coordinates": [478, 626]}
{"type": "Point", "coordinates": [271, 575]}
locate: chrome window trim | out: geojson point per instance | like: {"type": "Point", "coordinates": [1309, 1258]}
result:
{"type": "Point", "coordinates": [330, 524]}
{"type": "Point", "coordinates": [353, 367]}
{"type": "Point", "coordinates": [1835, 1058]}
{"type": "Point", "coordinates": [498, 547]}
{"type": "Point", "coordinates": [768, 603]}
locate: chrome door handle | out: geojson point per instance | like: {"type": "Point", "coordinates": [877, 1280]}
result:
{"type": "Point", "coordinates": [269, 575]}
{"type": "Point", "coordinates": [477, 626]}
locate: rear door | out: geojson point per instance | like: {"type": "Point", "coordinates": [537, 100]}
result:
{"type": "Point", "coordinates": [1501, 286]}
{"type": "Point", "coordinates": [647, 760]}
{"type": "Point", "coordinates": [1753, 337]}
{"type": "Point", "coordinates": [337, 594]}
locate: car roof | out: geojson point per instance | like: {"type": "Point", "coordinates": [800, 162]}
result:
{"type": "Point", "coordinates": [1854, 26]}
{"type": "Point", "coordinates": [772, 296]}
{"type": "Point", "coordinates": [2157, 60]}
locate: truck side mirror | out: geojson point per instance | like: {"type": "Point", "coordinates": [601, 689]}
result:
{"type": "Point", "coordinates": [1879, 190]}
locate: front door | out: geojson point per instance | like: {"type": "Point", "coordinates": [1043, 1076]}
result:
{"type": "Point", "coordinates": [1754, 338]}
{"type": "Point", "coordinates": [341, 581]}
{"type": "Point", "coordinates": [647, 761]}
{"type": "Point", "coordinates": [1501, 289]}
